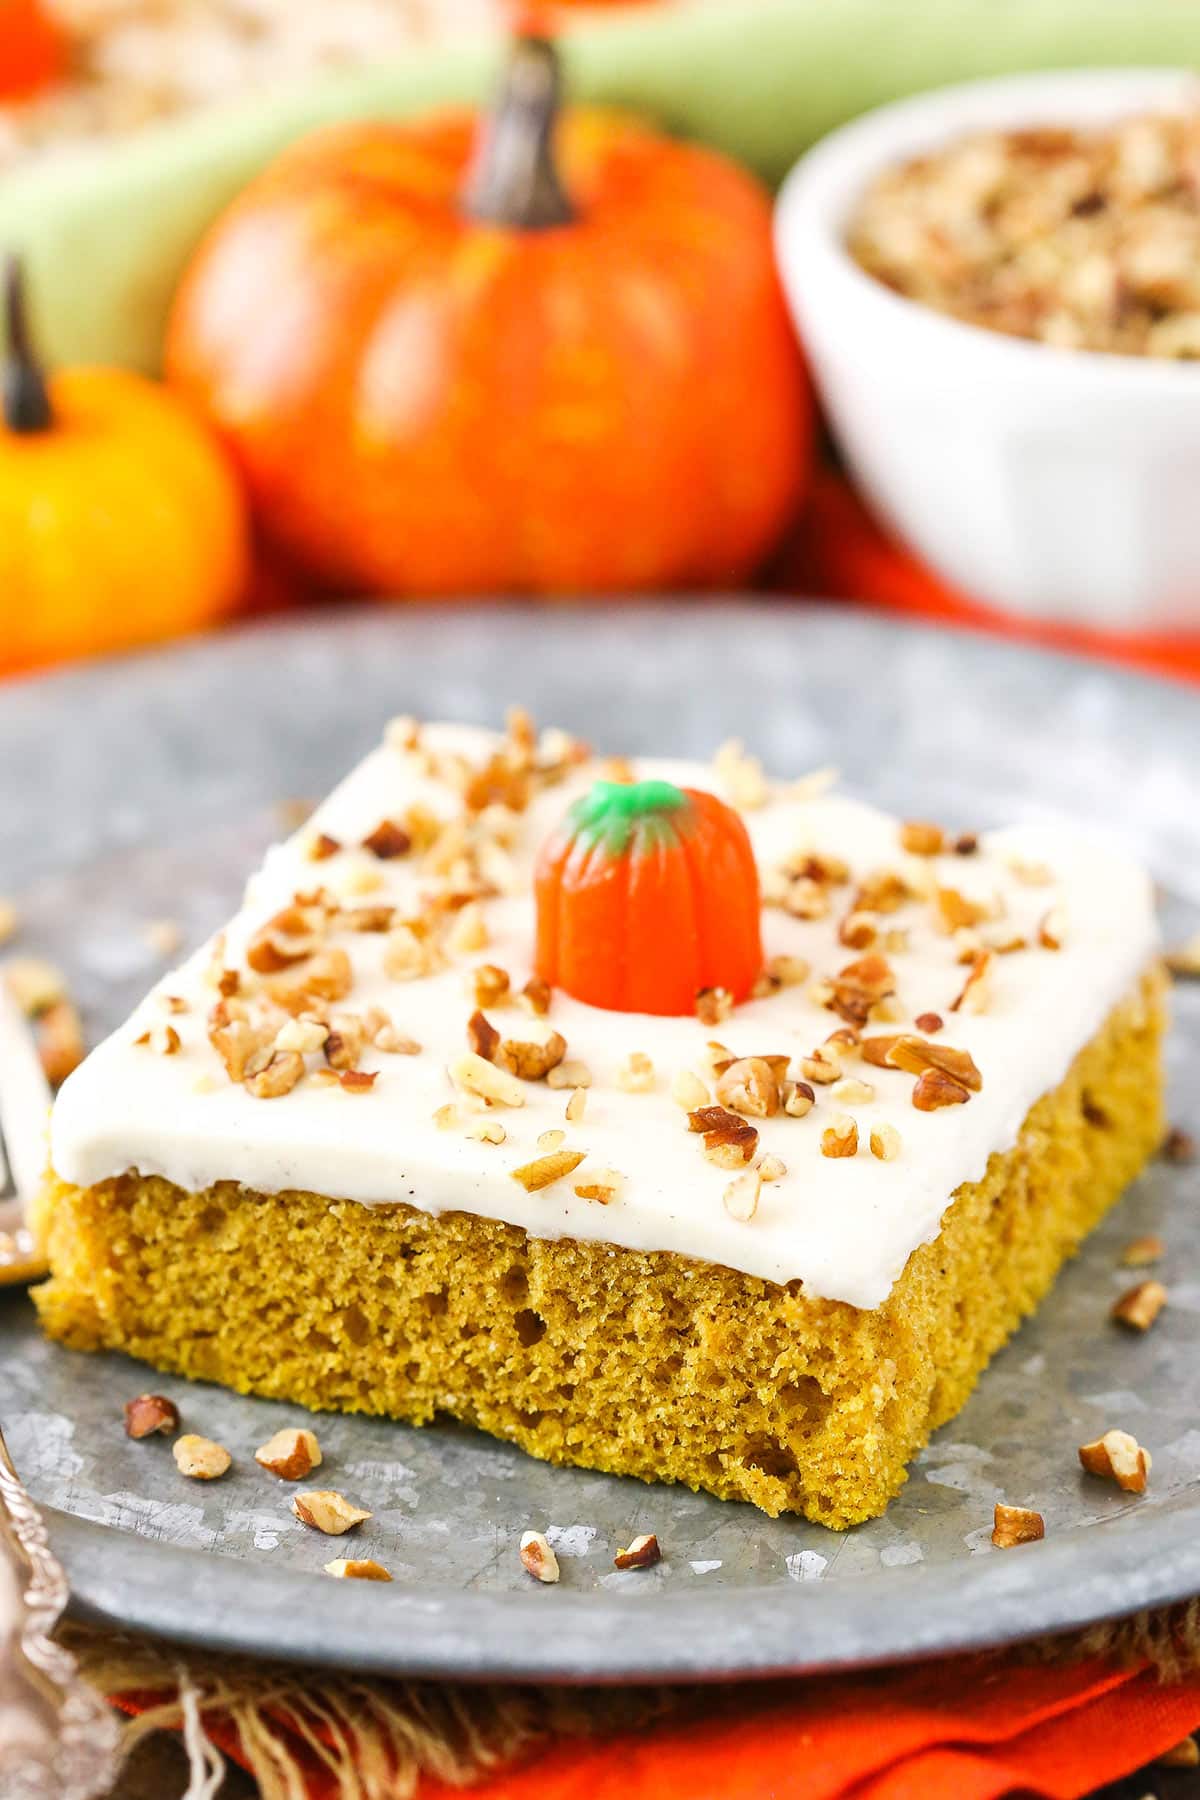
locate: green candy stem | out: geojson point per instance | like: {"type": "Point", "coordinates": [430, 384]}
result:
{"type": "Point", "coordinates": [610, 812]}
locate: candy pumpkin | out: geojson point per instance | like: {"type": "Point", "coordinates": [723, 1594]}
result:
{"type": "Point", "coordinates": [646, 895]}
{"type": "Point", "coordinates": [551, 358]}
{"type": "Point", "coordinates": [120, 520]}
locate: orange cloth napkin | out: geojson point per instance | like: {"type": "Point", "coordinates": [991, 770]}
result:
{"type": "Point", "coordinates": [840, 552]}
{"type": "Point", "coordinates": [973, 1729]}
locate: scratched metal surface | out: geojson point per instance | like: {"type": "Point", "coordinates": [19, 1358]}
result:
{"type": "Point", "coordinates": [146, 789]}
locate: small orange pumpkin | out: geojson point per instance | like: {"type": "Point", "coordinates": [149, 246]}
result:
{"type": "Point", "coordinates": [646, 895]}
{"type": "Point", "coordinates": [120, 520]}
{"type": "Point", "coordinates": [32, 49]}
{"type": "Point", "coordinates": [554, 360]}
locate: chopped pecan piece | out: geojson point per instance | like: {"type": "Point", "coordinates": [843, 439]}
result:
{"type": "Point", "coordinates": [1140, 1252]}
{"type": "Point", "coordinates": [60, 1044]}
{"type": "Point", "coordinates": [935, 1089]}
{"type": "Point", "coordinates": [787, 971]}
{"type": "Point", "coordinates": [840, 1138]}
{"type": "Point", "coordinates": [199, 1458]}
{"type": "Point", "coordinates": [531, 1062]}
{"type": "Point", "coordinates": [713, 1005]}
{"type": "Point", "coordinates": [570, 1074]}
{"type": "Point", "coordinates": [885, 891]}
{"type": "Point", "coordinates": [389, 839]}
{"type": "Point", "coordinates": [1120, 1458]}
{"type": "Point", "coordinates": [1179, 1148]}
{"type": "Point", "coordinates": [328, 976]}
{"type": "Point", "coordinates": [356, 1568]}
{"type": "Point", "coordinates": [358, 1081]}
{"type": "Point", "coordinates": [327, 1511]}
{"type": "Point", "coordinates": [34, 984]}
{"type": "Point", "coordinates": [688, 1091]}
{"type": "Point", "coordinates": [321, 847]}
{"type": "Point", "coordinates": [860, 986]}
{"type": "Point", "coordinates": [953, 910]}
{"type": "Point", "coordinates": [468, 932]}
{"type": "Point", "coordinates": [927, 1022]}
{"type": "Point", "coordinates": [482, 1036]}
{"type": "Point", "coordinates": [536, 996]}
{"type": "Point", "coordinates": [877, 1050]}
{"type": "Point", "coordinates": [1016, 1525]}
{"type": "Point", "coordinates": [538, 1557]}
{"type": "Point", "coordinates": [729, 1141]}
{"type": "Point", "coordinates": [279, 1077]}
{"type": "Point", "coordinates": [822, 1065]}
{"type": "Point", "coordinates": [546, 1169]}
{"type": "Point", "coordinates": [750, 1086]}
{"type": "Point", "coordinates": [974, 994]}
{"type": "Point", "coordinates": [885, 1142]}
{"type": "Point", "coordinates": [376, 917]}
{"type": "Point", "coordinates": [741, 775]}
{"type": "Point", "coordinates": [741, 1196]}
{"type": "Point", "coordinates": [636, 1074]}
{"type": "Point", "coordinates": [916, 1055]}
{"type": "Point", "coordinates": [344, 1041]}
{"type": "Point", "coordinates": [150, 1413]}
{"type": "Point", "coordinates": [236, 1041]}
{"type": "Point", "coordinates": [805, 898]}
{"type": "Point", "coordinates": [406, 957]}
{"type": "Point", "coordinates": [920, 838]}
{"type": "Point", "coordinates": [602, 1185]}
{"type": "Point", "coordinates": [641, 1553]}
{"type": "Point", "coordinates": [162, 1038]}
{"type": "Point", "coordinates": [712, 1118]}
{"type": "Point", "coordinates": [852, 1092]}
{"type": "Point", "coordinates": [858, 931]}
{"type": "Point", "coordinates": [490, 984]}
{"type": "Point", "coordinates": [291, 1454]}
{"type": "Point", "coordinates": [1139, 1306]}
{"type": "Point", "coordinates": [290, 936]}
{"type": "Point", "coordinates": [798, 1098]}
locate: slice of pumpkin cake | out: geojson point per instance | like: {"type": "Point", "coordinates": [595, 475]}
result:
{"type": "Point", "coordinates": [659, 1118]}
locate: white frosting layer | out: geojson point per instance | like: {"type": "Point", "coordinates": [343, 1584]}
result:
{"type": "Point", "coordinates": [845, 1227]}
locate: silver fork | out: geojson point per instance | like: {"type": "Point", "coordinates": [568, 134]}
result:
{"type": "Point", "coordinates": [58, 1739]}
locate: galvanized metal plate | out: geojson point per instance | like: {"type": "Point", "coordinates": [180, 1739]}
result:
{"type": "Point", "coordinates": [145, 788]}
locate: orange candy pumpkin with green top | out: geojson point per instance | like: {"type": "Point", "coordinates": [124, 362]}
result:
{"type": "Point", "coordinates": [550, 356]}
{"type": "Point", "coordinates": [647, 894]}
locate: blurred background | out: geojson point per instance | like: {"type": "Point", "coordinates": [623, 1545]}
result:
{"type": "Point", "coordinates": [456, 299]}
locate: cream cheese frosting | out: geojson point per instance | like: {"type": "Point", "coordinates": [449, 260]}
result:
{"type": "Point", "coordinates": [844, 1226]}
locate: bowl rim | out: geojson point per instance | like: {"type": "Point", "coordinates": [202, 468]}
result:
{"type": "Point", "coordinates": [816, 196]}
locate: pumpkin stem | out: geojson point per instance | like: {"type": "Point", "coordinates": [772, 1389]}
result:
{"type": "Point", "coordinates": [515, 179]}
{"type": "Point", "coordinates": [26, 403]}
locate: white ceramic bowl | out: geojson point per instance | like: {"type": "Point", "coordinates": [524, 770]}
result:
{"type": "Point", "coordinates": [1058, 484]}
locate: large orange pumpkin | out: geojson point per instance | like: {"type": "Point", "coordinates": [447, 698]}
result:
{"type": "Point", "coordinates": [445, 368]}
{"type": "Point", "coordinates": [647, 895]}
{"type": "Point", "coordinates": [120, 519]}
